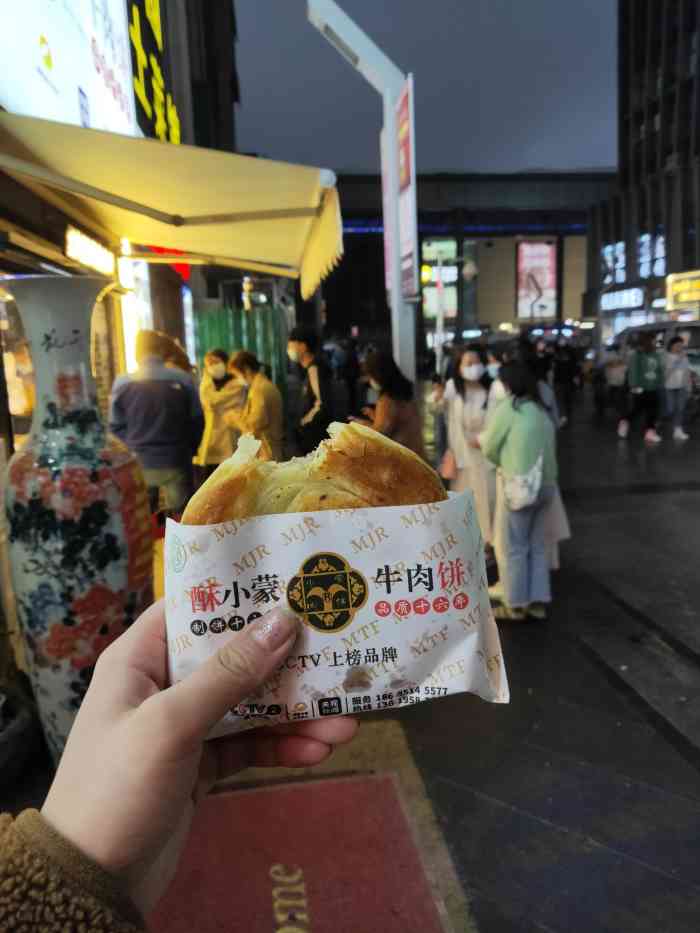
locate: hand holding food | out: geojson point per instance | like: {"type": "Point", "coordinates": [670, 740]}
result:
{"type": "Point", "coordinates": [360, 540]}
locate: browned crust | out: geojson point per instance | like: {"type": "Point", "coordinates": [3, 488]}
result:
{"type": "Point", "coordinates": [356, 468]}
{"type": "Point", "coordinates": [231, 495]}
{"type": "Point", "coordinates": [377, 470]}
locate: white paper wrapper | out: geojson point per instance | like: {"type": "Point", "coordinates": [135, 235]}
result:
{"type": "Point", "coordinates": [394, 603]}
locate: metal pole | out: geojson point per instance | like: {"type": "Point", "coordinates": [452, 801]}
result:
{"type": "Point", "coordinates": [440, 322]}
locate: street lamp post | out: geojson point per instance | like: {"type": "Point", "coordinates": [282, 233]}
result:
{"type": "Point", "coordinates": [365, 56]}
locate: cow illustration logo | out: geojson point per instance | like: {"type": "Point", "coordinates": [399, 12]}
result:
{"type": "Point", "coordinates": [327, 592]}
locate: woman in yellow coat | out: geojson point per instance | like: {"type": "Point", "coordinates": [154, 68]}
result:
{"type": "Point", "coordinates": [262, 416]}
{"type": "Point", "coordinates": [220, 393]}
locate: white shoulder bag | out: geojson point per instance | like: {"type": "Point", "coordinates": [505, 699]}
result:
{"type": "Point", "coordinates": [522, 490]}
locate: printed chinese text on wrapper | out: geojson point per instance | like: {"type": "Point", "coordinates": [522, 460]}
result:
{"type": "Point", "coordinates": [393, 601]}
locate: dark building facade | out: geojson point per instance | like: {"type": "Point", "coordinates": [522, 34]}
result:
{"type": "Point", "coordinates": [478, 219]}
{"type": "Point", "coordinates": [648, 229]}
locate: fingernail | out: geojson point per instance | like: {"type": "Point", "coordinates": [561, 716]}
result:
{"type": "Point", "coordinates": [274, 629]}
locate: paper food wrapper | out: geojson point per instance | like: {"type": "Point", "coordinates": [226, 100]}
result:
{"type": "Point", "coordinates": [394, 605]}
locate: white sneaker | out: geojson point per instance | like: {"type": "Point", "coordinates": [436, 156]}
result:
{"type": "Point", "coordinates": [623, 429]}
{"type": "Point", "coordinates": [680, 435]}
{"type": "Point", "coordinates": [651, 437]}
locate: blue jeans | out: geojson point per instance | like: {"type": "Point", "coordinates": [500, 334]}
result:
{"type": "Point", "coordinates": [675, 405]}
{"type": "Point", "coordinates": [526, 579]}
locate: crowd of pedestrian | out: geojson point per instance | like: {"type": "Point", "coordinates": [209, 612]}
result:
{"type": "Point", "coordinates": [497, 411]}
{"type": "Point", "coordinates": [646, 384]}
{"type": "Point", "coordinates": [496, 418]}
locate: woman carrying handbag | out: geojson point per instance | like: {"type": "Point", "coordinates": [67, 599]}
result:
{"type": "Point", "coordinates": [520, 441]}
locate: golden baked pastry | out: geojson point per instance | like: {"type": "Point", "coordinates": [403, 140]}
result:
{"type": "Point", "coordinates": [355, 468]}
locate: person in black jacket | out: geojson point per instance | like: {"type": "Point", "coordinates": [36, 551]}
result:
{"type": "Point", "coordinates": [317, 404]}
{"type": "Point", "coordinates": [566, 376]}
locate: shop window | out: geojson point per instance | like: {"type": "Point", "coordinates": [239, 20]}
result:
{"type": "Point", "coordinates": [660, 256]}
{"type": "Point", "coordinates": [19, 371]}
{"type": "Point", "coordinates": [644, 255]}
{"type": "Point", "coordinates": [620, 263]}
{"type": "Point", "coordinates": [607, 256]}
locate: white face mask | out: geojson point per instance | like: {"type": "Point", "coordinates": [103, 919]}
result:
{"type": "Point", "coordinates": [493, 370]}
{"type": "Point", "coordinates": [472, 373]}
{"type": "Point", "coordinates": [217, 370]}
{"type": "Point", "coordinates": [375, 385]}
{"type": "Point", "coordinates": [293, 355]}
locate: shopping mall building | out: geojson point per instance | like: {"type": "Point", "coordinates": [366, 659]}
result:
{"type": "Point", "coordinates": [497, 253]}
{"type": "Point", "coordinates": [644, 250]}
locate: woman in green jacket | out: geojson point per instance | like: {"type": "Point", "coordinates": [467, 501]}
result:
{"type": "Point", "coordinates": [519, 433]}
{"type": "Point", "coordinates": [646, 380]}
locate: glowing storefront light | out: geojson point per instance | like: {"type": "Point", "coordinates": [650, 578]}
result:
{"type": "Point", "coordinates": [89, 252]}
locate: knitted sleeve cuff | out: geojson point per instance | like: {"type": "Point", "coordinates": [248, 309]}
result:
{"type": "Point", "coordinates": [48, 884]}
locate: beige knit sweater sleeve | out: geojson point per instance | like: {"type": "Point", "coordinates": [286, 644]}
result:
{"type": "Point", "coordinates": [47, 885]}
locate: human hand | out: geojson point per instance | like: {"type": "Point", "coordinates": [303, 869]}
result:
{"type": "Point", "coordinates": [308, 417]}
{"type": "Point", "coordinates": [136, 762]}
{"type": "Point", "coordinates": [474, 442]}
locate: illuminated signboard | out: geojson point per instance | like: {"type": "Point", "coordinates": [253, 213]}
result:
{"type": "Point", "coordinates": [68, 62]}
{"type": "Point", "coordinates": [683, 291]}
{"type": "Point", "coordinates": [432, 298]}
{"type": "Point", "coordinates": [155, 108]}
{"type": "Point", "coordinates": [537, 280]}
{"type": "Point", "coordinates": [624, 299]}
{"type": "Point", "coordinates": [89, 252]}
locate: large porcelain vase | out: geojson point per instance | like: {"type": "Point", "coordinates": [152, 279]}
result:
{"type": "Point", "coordinates": [77, 509]}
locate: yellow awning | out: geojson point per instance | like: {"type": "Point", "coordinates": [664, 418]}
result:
{"type": "Point", "coordinates": [218, 208]}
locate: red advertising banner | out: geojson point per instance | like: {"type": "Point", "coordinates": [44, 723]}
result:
{"type": "Point", "coordinates": [408, 220]}
{"type": "Point", "coordinates": [537, 280]}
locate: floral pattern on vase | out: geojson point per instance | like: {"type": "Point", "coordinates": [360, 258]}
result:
{"type": "Point", "coordinates": [77, 510]}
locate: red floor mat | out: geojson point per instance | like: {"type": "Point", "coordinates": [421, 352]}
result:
{"type": "Point", "coordinates": [331, 856]}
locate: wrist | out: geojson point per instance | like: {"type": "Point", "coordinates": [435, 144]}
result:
{"type": "Point", "coordinates": [77, 866]}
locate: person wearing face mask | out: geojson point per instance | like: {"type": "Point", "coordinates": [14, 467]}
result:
{"type": "Point", "coordinates": [497, 391]}
{"type": "Point", "coordinates": [263, 413]}
{"type": "Point", "coordinates": [396, 413]}
{"type": "Point", "coordinates": [520, 441]}
{"type": "Point", "coordinates": [316, 393]}
{"type": "Point", "coordinates": [220, 393]}
{"type": "Point", "coordinates": [464, 401]}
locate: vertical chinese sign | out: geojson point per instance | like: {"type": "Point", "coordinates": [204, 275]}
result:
{"type": "Point", "coordinates": [156, 112]}
{"type": "Point", "coordinates": [537, 280]}
{"type": "Point", "coordinates": [408, 221]}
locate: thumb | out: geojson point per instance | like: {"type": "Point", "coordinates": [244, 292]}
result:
{"type": "Point", "coordinates": [247, 660]}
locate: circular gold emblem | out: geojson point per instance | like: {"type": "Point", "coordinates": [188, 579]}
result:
{"type": "Point", "coordinates": [327, 592]}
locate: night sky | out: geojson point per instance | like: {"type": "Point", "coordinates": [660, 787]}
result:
{"type": "Point", "coordinates": [501, 85]}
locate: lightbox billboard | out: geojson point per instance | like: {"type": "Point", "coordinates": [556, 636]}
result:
{"type": "Point", "coordinates": [68, 60]}
{"type": "Point", "coordinates": [537, 280]}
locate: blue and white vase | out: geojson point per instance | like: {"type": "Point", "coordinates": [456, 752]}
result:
{"type": "Point", "coordinates": [77, 509]}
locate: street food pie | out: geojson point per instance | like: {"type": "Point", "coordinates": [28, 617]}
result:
{"type": "Point", "coordinates": [355, 468]}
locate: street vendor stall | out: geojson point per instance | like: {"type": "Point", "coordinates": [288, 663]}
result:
{"type": "Point", "coordinates": [79, 531]}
